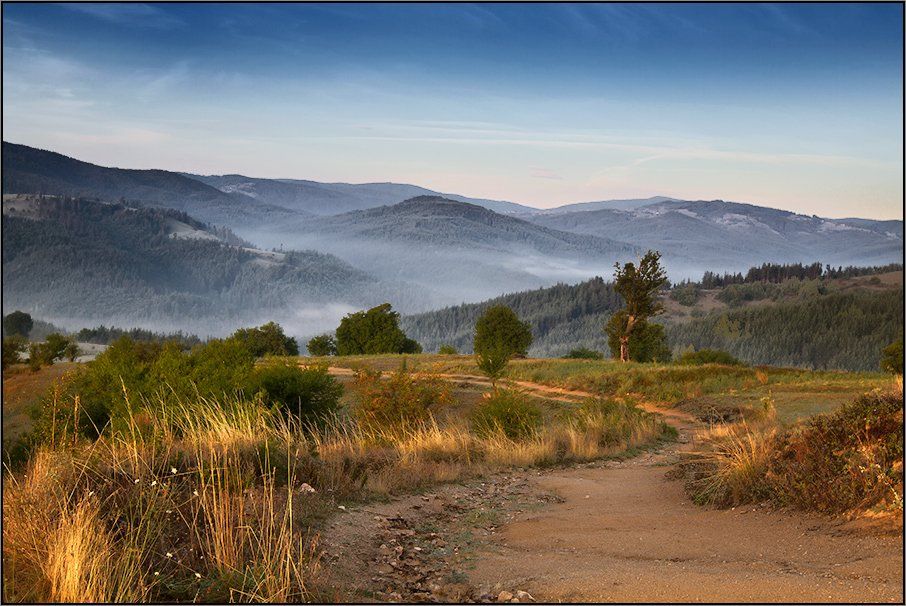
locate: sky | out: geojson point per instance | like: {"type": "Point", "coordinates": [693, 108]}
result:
{"type": "Point", "coordinates": [793, 106]}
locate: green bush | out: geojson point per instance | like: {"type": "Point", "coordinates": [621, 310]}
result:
{"type": "Point", "coordinates": [309, 394]}
{"type": "Point", "coordinates": [584, 353]}
{"type": "Point", "coordinates": [375, 331]}
{"type": "Point", "coordinates": [267, 339]}
{"type": "Point", "coordinates": [55, 347]}
{"type": "Point", "coordinates": [322, 345]}
{"type": "Point", "coordinates": [13, 347]}
{"type": "Point", "coordinates": [119, 381]}
{"type": "Point", "coordinates": [892, 357]}
{"type": "Point", "coordinates": [447, 350]}
{"type": "Point", "coordinates": [708, 356]}
{"type": "Point", "coordinates": [508, 412]}
{"type": "Point", "coordinates": [401, 400]}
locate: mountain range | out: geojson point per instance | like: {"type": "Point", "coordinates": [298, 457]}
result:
{"type": "Point", "coordinates": [421, 249]}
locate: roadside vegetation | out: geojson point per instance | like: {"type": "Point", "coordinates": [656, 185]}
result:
{"type": "Point", "coordinates": [158, 474]}
{"type": "Point", "coordinates": [847, 461]}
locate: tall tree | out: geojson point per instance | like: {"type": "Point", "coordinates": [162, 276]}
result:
{"type": "Point", "coordinates": [500, 335]}
{"type": "Point", "coordinates": [638, 286]}
{"type": "Point", "coordinates": [17, 323]}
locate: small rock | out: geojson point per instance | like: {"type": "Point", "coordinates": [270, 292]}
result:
{"type": "Point", "coordinates": [504, 596]}
{"type": "Point", "coordinates": [524, 595]}
{"type": "Point", "coordinates": [305, 487]}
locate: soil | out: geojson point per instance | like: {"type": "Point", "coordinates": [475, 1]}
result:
{"type": "Point", "coordinates": [609, 531]}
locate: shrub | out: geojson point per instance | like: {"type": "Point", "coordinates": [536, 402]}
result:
{"type": "Point", "coordinates": [400, 401]}
{"type": "Point", "coordinates": [375, 331]}
{"type": "Point", "coordinates": [584, 353]}
{"type": "Point", "coordinates": [322, 345]}
{"type": "Point", "coordinates": [55, 347]}
{"type": "Point", "coordinates": [708, 356]}
{"type": "Point", "coordinates": [267, 339]}
{"type": "Point", "coordinates": [310, 394]}
{"type": "Point", "coordinates": [508, 412]}
{"type": "Point", "coordinates": [852, 459]}
{"type": "Point", "coordinates": [447, 350]}
{"type": "Point", "coordinates": [13, 347]}
{"type": "Point", "coordinates": [892, 357]}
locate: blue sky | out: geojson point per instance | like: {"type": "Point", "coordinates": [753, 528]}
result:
{"type": "Point", "coordinates": [791, 106]}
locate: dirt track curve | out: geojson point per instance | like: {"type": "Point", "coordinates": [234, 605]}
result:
{"type": "Point", "coordinates": [624, 532]}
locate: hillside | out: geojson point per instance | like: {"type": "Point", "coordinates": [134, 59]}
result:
{"type": "Point", "coordinates": [78, 262]}
{"type": "Point", "coordinates": [336, 198]}
{"type": "Point", "coordinates": [461, 251]}
{"type": "Point", "coordinates": [727, 236]}
{"type": "Point", "coordinates": [820, 323]}
{"type": "Point", "coordinates": [27, 170]}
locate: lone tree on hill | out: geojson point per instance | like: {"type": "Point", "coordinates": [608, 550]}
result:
{"type": "Point", "coordinates": [500, 335]}
{"type": "Point", "coordinates": [638, 287]}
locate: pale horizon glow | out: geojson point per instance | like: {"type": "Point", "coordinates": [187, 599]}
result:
{"type": "Point", "coordinates": [797, 107]}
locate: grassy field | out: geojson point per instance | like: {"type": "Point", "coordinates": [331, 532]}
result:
{"type": "Point", "coordinates": [796, 394]}
{"type": "Point", "coordinates": [22, 389]}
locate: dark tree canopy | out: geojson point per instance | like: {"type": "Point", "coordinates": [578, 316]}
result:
{"type": "Point", "coordinates": [647, 341]}
{"type": "Point", "coordinates": [17, 323]}
{"type": "Point", "coordinates": [500, 330]}
{"type": "Point", "coordinates": [322, 345]}
{"type": "Point", "coordinates": [375, 331]}
{"type": "Point", "coordinates": [892, 357]}
{"type": "Point", "coordinates": [500, 335]}
{"type": "Point", "coordinates": [267, 339]}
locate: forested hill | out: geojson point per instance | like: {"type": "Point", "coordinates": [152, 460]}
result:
{"type": "Point", "coordinates": [562, 317]}
{"type": "Point", "coordinates": [85, 261]}
{"type": "Point", "coordinates": [27, 170]}
{"type": "Point", "coordinates": [825, 322]}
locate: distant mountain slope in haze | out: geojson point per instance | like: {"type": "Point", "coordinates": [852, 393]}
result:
{"type": "Point", "coordinates": [463, 251]}
{"type": "Point", "coordinates": [27, 170]}
{"type": "Point", "coordinates": [609, 205]}
{"type": "Point", "coordinates": [731, 236]}
{"type": "Point", "coordinates": [336, 198]}
{"type": "Point", "coordinates": [84, 261]}
{"type": "Point", "coordinates": [440, 221]}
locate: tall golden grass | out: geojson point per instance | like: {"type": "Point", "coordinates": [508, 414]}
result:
{"type": "Point", "coordinates": [212, 501]}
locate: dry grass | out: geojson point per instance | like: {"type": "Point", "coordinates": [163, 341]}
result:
{"type": "Point", "coordinates": [849, 461]}
{"type": "Point", "coordinates": [212, 501]}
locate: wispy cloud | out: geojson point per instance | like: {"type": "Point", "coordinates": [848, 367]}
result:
{"type": "Point", "coordinates": [133, 14]}
{"type": "Point", "coordinates": [539, 172]}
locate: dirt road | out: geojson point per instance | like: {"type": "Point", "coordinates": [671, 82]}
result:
{"type": "Point", "coordinates": [624, 532]}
